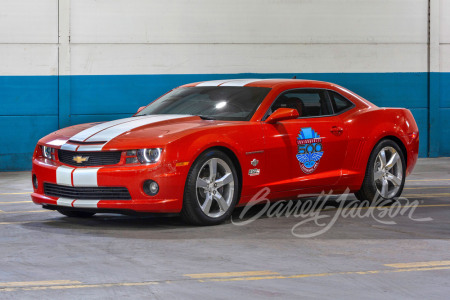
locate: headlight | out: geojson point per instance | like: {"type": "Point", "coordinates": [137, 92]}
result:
{"type": "Point", "coordinates": [48, 152]}
{"type": "Point", "coordinates": [146, 156]}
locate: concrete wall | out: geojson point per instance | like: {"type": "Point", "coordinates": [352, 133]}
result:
{"type": "Point", "coordinates": [28, 78]}
{"type": "Point", "coordinates": [68, 62]}
{"type": "Point", "coordinates": [442, 108]}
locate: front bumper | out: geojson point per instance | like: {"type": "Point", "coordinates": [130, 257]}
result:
{"type": "Point", "coordinates": [168, 200]}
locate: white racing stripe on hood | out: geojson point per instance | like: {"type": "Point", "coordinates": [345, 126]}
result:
{"type": "Point", "coordinates": [107, 131]}
{"type": "Point", "coordinates": [69, 147]}
{"type": "Point", "coordinates": [57, 142]}
{"type": "Point", "coordinates": [114, 131]}
{"type": "Point", "coordinates": [82, 135]}
{"type": "Point", "coordinates": [90, 148]}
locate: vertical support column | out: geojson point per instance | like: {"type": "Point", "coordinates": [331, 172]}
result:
{"type": "Point", "coordinates": [63, 63]}
{"type": "Point", "coordinates": [433, 79]}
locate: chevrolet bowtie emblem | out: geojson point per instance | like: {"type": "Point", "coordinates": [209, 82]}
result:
{"type": "Point", "coordinates": [254, 162]}
{"type": "Point", "coordinates": [79, 159]}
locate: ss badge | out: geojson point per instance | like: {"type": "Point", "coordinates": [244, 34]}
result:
{"type": "Point", "coordinates": [253, 172]}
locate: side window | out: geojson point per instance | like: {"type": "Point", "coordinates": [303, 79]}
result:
{"type": "Point", "coordinates": [308, 102]}
{"type": "Point", "coordinates": [339, 102]}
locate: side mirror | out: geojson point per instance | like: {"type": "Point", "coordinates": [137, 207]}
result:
{"type": "Point", "coordinates": [282, 114]}
{"type": "Point", "coordinates": [141, 108]}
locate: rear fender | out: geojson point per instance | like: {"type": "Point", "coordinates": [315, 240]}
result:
{"type": "Point", "coordinates": [366, 129]}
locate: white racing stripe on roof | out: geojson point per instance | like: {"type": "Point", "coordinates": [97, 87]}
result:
{"type": "Point", "coordinates": [114, 131]}
{"type": "Point", "coordinates": [239, 82]}
{"type": "Point", "coordinates": [228, 82]}
{"type": "Point", "coordinates": [213, 82]}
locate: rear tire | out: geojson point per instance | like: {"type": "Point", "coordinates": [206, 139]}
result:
{"type": "Point", "coordinates": [212, 189]}
{"type": "Point", "coordinates": [385, 173]}
{"type": "Point", "coordinates": [75, 213]}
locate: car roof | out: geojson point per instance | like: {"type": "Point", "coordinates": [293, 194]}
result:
{"type": "Point", "coordinates": [268, 83]}
{"type": "Point", "coordinates": [279, 84]}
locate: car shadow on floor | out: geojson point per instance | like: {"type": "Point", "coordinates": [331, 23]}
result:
{"type": "Point", "coordinates": [159, 226]}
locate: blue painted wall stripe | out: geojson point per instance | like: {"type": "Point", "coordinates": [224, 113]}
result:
{"type": "Point", "coordinates": [64, 96]}
{"type": "Point", "coordinates": [28, 95]}
{"type": "Point", "coordinates": [444, 90]}
{"type": "Point", "coordinates": [33, 106]}
{"type": "Point", "coordinates": [433, 114]}
{"type": "Point", "coordinates": [19, 135]}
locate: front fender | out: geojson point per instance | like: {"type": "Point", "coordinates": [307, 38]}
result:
{"type": "Point", "coordinates": [242, 141]}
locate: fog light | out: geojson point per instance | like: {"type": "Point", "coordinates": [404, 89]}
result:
{"type": "Point", "coordinates": [131, 160]}
{"type": "Point", "coordinates": [151, 187]}
{"type": "Point", "coordinates": [35, 182]}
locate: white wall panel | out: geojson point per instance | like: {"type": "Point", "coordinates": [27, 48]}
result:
{"type": "Point", "coordinates": [238, 58]}
{"type": "Point", "coordinates": [444, 58]}
{"type": "Point", "coordinates": [444, 30]}
{"type": "Point", "coordinates": [251, 21]}
{"type": "Point", "coordinates": [28, 59]}
{"type": "Point", "coordinates": [28, 21]}
{"type": "Point", "coordinates": [444, 18]}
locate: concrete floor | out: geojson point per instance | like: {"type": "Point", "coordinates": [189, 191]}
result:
{"type": "Point", "coordinates": [45, 255]}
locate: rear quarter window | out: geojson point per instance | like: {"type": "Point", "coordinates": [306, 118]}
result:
{"type": "Point", "coordinates": [339, 102]}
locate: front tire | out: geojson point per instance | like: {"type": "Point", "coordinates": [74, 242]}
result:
{"type": "Point", "coordinates": [212, 189]}
{"type": "Point", "coordinates": [75, 213]}
{"type": "Point", "coordinates": [385, 173]}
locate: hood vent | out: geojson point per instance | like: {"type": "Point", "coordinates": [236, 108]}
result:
{"type": "Point", "coordinates": [87, 143]}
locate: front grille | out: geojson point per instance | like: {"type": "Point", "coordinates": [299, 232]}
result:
{"type": "Point", "coordinates": [87, 193]}
{"type": "Point", "coordinates": [101, 158]}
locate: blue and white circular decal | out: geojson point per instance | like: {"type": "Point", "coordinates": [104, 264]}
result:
{"type": "Point", "coordinates": [309, 145]}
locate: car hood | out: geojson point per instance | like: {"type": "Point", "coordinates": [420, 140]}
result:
{"type": "Point", "coordinates": [128, 133]}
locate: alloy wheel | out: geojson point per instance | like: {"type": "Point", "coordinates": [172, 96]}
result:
{"type": "Point", "coordinates": [215, 187]}
{"type": "Point", "coordinates": [388, 172]}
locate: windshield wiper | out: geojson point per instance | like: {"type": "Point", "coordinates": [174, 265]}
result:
{"type": "Point", "coordinates": [206, 117]}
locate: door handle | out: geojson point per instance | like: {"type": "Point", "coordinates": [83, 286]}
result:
{"type": "Point", "coordinates": [336, 130]}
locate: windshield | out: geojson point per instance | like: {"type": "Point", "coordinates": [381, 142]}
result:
{"type": "Point", "coordinates": [212, 102]}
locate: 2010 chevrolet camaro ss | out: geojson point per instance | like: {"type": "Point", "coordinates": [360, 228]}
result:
{"type": "Point", "coordinates": [204, 148]}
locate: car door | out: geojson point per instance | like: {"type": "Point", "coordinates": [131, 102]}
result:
{"type": "Point", "coordinates": [308, 151]}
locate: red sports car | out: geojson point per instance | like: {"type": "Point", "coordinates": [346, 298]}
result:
{"type": "Point", "coordinates": [204, 148]}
